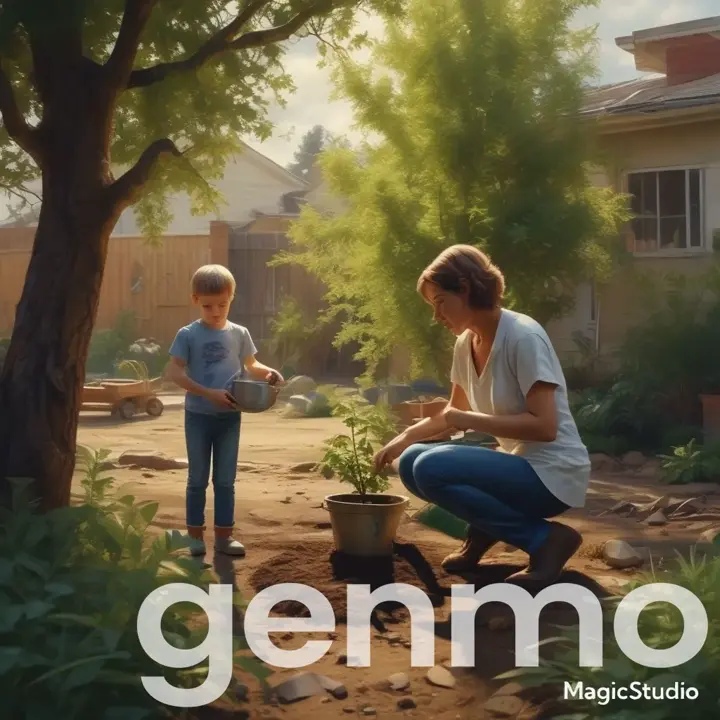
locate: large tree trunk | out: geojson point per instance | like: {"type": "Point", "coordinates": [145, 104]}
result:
{"type": "Point", "coordinates": [44, 371]}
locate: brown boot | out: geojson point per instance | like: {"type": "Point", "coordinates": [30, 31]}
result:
{"type": "Point", "coordinates": [546, 565]}
{"type": "Point", "coordinates": [477, 544]}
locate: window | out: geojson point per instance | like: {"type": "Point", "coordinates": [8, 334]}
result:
{"type": "Point", "coordinates": [667, 206]}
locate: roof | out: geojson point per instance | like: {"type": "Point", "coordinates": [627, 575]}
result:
{"type": "Point", "coordinates": [651, 95]}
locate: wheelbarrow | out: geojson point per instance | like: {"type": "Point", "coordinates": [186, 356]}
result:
{"type": "Point", "coordinates": [124, 398]}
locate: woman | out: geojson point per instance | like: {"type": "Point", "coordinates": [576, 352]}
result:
{"type": "Point", "coordinates": [507, 382]}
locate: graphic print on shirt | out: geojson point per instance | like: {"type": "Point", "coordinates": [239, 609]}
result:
{"type": "Point", "coordinates": [213, 353]}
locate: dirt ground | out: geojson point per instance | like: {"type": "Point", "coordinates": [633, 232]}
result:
{"type": "Point", "coordinates": [281, 520]}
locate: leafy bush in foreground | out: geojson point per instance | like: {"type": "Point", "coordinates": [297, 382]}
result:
{"type": "Point", "coordinates": [71, 584]}
{"type": "Point", "coordinates": [660, 626]}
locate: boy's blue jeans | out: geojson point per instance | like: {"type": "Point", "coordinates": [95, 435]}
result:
{"type": "Point", "coordinates": [494, 492]}
{"type": "Point", "coordinates": [216, 438]}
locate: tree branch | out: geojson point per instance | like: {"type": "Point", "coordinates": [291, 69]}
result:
{"type": "Point", "coordinates": [128, 187]}
{"type": "Point", "coordinates": [226, 41]}
{"type": "Point", "coordinates": [17, 128]}
{"type": "Point", "coordinates": [135, 18]}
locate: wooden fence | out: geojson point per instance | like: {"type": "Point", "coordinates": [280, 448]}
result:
{"type": "Point", "coordinates": [152, 282]}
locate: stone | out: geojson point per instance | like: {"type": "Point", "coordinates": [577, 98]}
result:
{"type": "Point", "coordinates": [342, 660]}
{"type": "Point", "coordinates": [299, 385]}
{"type": "Point", "coordinates": [504, 706]}
{"type": "Point", "coordinates": [299, 687]}
{"type": "Point", "coordinates": [406, 703]}
{"type": "Point", "coordinates": [372, 395]}
{"type": "Point", "coordinates": [241, 692]}
{"type": "Point", "coordinates": [710, 537]}
{"type": "Point", "coordinates": [633, 459]}
{"type": "Point", "coordinates": [399, 681]}
{"type": "Point", "coordinates": [657, 519]}
{"type": "Point", "coordinates": [440, 677]}
{"type": "Point", "coordinates": [368, 711]}
{"type": "Point", "coordinates": [334, 687]}
{"type": "Point", "coordinates": [603, 463]}
{"type": "Point", "coordinates": [304, 468]}
{"type": "Point", "coordinates": [619, 555]}
{"type": "Point", "coordinates": [349, 710]}
{"type": "Point", "coordinates": [152, 461]}
{"type": "Point", "coordinates": [300, 403]}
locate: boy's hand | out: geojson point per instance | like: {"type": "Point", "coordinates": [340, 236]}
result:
{"type": "Point", "coordinates": [274, 378]}
{"type": "Point", "coordinates": [222, 398]}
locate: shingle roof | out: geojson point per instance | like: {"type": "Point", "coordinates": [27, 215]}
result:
{"type": "Point", "coordinates": [649, 95]}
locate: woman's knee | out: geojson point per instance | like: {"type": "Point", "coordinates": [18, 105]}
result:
{"type": "Point", "coordinates": [431, 470]}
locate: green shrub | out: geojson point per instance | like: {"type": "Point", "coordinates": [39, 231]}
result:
{"type": "Point", "coordinates": [660, 626]}
{"type": "Point", "coordinates": [350, 456]}
{"type": "Point", "coordinates": [690, 463]}
{"type": "Point", "coordinates": [71, 584]}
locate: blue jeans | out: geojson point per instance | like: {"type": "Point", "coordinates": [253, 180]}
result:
{"type": "Point", "coordinates": [215, 437]}
{"type": "Point", "coordinates": [495, 492]}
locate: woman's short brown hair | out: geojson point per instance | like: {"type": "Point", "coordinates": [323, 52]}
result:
{"type": "Point", "coordinates": [465, 265]}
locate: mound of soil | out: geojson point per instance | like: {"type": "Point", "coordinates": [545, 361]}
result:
{"type": "Point", "coordinates": [320, 566]}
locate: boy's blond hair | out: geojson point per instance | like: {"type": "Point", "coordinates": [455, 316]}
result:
{"type": "Point", "coordinates": [213, 280]}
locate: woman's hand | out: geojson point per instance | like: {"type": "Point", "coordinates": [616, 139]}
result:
{"type": "Point", "coordinates": [455, 418]}
{"type": "Point", "coordinates": [392, 451]}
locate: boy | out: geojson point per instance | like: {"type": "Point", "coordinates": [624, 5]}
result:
{"type": "Point", "coordinates": [204, 357]}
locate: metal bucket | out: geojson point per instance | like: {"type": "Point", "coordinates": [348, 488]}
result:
{"type": "Point", "coordinates": [366, 528]}
{"type": "Point", "coordinates": [253, 396]}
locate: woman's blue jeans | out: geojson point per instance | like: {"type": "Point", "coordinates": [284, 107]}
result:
{"type": "Point", "coordinates": [495, 492]}
{"type": "Point", "coordinates": [216, 438]}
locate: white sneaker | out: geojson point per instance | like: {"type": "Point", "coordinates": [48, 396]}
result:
{"type": "Point", "coordinates": [229, 546]}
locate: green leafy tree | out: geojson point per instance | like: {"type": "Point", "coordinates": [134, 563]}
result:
{"type": "Point", "coordinates": [476, 106]}
{"type": "Point", "coordinates": [114, 103]}
{"type": "Point", "coordinates": [312, 144]}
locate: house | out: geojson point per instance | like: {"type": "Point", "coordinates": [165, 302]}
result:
{"type": "Point", "coordinates": [152, 281]}
{"type": "Point", "coordinates": [660, 140]}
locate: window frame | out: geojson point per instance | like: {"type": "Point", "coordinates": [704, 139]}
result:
{"type": "Point", "coordinates": [700, 249]}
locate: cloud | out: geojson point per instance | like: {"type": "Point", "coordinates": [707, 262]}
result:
{"type": "Point", "coordinates": [311, 104]}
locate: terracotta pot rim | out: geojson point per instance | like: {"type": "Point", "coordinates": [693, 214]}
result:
{"type": "Point", "coordinates": [345, 499]}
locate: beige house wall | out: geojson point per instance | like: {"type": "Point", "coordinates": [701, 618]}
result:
{"type": "Point", "coordinates": [623, 302]}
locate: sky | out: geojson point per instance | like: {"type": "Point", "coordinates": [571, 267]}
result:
{"type": "Point", "coordinates": [311, 103]}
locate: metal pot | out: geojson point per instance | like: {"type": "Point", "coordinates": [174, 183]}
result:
{"type": "Point", "coordinates": [253, 396]}
{"type": "Point", "coordinates": [365, 526]}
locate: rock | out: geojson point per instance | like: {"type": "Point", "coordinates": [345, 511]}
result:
{"type": "Point", "coordinates": [299, 385]}
{"type": "Point", "coordinates": [334, 687]}
{"type": "Point", "coordinates": [399, 681]}
{"type": "Point", "coordinates": [304, 468]}
{"type": "Point", "coordinates": [368, 711]}
{"type": "Point", "coordinates": [501, 623]}
{"type": "Point", "coordinates": [504, 706]}
{"type": "Point", "coordinates": [152, 461]}
{"type": "Point", "coordinates": [241, 692]}
{"type": "Point", "coordinates": [619, 555]}
{"type": "Point", "coordinates": [299, 687]}
{"type": "Point", "coordinates": [349, 710]}
{"type": "Point", "coordinates": [710, 537]}
{"type": "Point", "coordinates": [440, 677]}
{"type": "Point", "coordinates": [650, 469]}
{"type": "Point", "coordinates": [406, 703]}
{"type": "Point", "coordinates": [657, 519]}
{"type": "Point", "coordinates": [633, 459]}
{"type": "Point", "coordinates": [300, 403]}
{"type": "Point", "coordinates": [342, 660]}
{"type": "Point", "coordinates": [603, 463]}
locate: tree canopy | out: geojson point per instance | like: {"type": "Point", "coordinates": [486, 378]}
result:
{"type": "Point", "coordinates": [476, 104]}
{"type": "Point", "coordinates": [199, 75]}
{"type": "Point", "coordinates": [311, 145]}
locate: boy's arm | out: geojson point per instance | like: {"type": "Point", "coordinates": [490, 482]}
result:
{"type": "Point", "coordinates": [262, 372]}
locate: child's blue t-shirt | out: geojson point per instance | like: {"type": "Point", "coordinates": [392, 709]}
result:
{"type": "Point", "coordinates": [212, 358]}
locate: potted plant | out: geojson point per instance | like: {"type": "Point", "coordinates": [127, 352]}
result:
{"type": "Point", "coordinates": [364, 522]}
